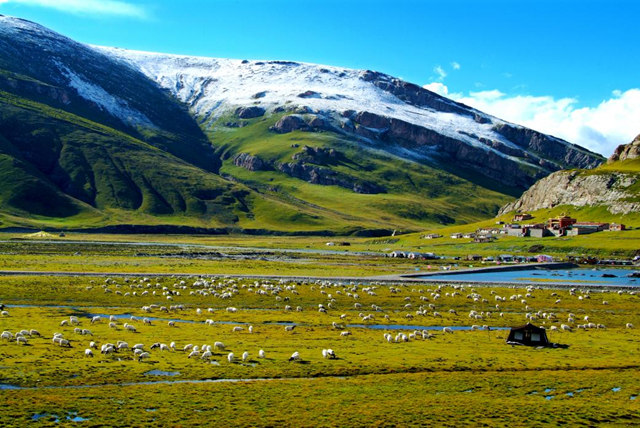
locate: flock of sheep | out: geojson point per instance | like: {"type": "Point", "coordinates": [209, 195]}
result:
{"type": "Point", "coordinates": [422, 302]}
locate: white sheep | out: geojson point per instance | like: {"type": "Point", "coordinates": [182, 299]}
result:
{"type": "Point", "coordinates": [143, 356]}
{"type": "Point", "coordinates": [93, 345]}
{"type": "Point", "coordinates": [237, 329]}
{"type": "Point", "coordinates": [95, 319]}
{"type": "Point", "coordinates": [219, 345]}
{"type": "Point", "coordinates": [245, 356]}
{"type": "Point", "coordinates": [629, 325]}
{"type": "Point", "coordinates": [88, 353]}
{"type": "Point", "coordinates": [295, 356]}
{"type": "Point", "coordinates": [345, 333]}
{"type": "Point", "coordinates": [21, 339]}
{"type": "Point", "coordinates": [447, 330]}
{"type": "Point", "coordinates": [289, 327]}
{"type": "Point", "coordinates": [261, 354]}
{"type": "Point", "coordinates": [230, 357]}
{"type": "Point", "coordinates": [206, 355]}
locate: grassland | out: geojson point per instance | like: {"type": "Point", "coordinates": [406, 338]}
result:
{"type": "Point", "coordinates": [466, 378]}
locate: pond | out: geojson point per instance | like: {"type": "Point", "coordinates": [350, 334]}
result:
{"type": "Point", "coordinates": [578, 277]}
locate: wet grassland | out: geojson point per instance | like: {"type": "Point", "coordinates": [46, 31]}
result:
{"type": "Point", "coordinates": [418, 374]}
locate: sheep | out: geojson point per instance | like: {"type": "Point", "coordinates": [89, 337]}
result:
{"type": "Point", "coordinates": [565, 327]}
{"type": "Point", "coordinates": [64, 322]}
{"type": "Point", "coordinates": [95, 319]}
{"type": "Point", "coordinates": [295, 356]}
{"type": "Point", "coordinates": [172, 345]}
{"type": "Point", "coordinates": [5, 313]}
{"type": "Point", "coordinates": [289, 327]}
{"type": "Point", "coordinates": [171, 323]}
{"type": "Point", "coordinates": [146, 321]}
{"type": "Point", "coordinates": [250, 329]}
{"type": "Point", "coordinates": [245, 356]}
{"type": "Point", "coordinates": [237, 329]}
{"type": "Point", "coordinates": [447, 330]}
{"type": "Point", "coordinates": [206, 355]}
{"type": "Point", "coordinates": [138, 346]}
{"type": "Point", "coordinates": [64, 342]}
{"type": "Point", "coordinates": [193, 353]}
{"type": "Point", "coordinates": [143, 356]}
{"type": "Point", "coordinates": [122, 345]}
{"type": "Point", "coordinates": [88, 353]}
{"type": "Point", "coordinates": [345, 333]}
{"type": "Point", "coordinates": [33, 332]}
{"type": "Point", "coordinates": [230, 357]}
{"type": "Point", "coordinates": [629, 325]}
{"type": "Point", "coordinates": [93, 345]}
{"type": "Point", "coordinates": [219, 345]}
{"type": "Point", "coordinates": [261, 354]}
{"type": "Point", "coordinates": [7, 335]}
{"type": "Point", "coordinates": [164, 347]}
{"type": "Point", "coordinates": [328, 353]}
{"type": "Point", "coordinates": [21, 339]}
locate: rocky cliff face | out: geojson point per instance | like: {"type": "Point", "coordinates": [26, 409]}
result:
{"type": "Point", "coordinates": [626, 151]}
{"type": "Point", "coordinates": [577, 189]}
{"type": "Point", "coordinates": [615, 189]}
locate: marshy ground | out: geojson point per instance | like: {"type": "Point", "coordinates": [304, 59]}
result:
{"type": "Point", "coordinates": [467, 377]}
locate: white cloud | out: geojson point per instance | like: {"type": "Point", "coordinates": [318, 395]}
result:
{"type": "Point", "coordinates": [440, 72]}
{"type": "Point", "coordinates": [87, 7]}
{"type": "Point", "coordinates": [601, 128]}
{"type": "Point", "coordinates": [455, 65]}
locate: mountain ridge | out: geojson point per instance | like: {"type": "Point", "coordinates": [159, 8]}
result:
{"type": "Point", "coordinates": [149, 143]}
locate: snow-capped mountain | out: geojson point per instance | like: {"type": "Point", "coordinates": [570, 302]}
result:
{"type": "Point", "coordinates": [376, 103]}
{"type": "Point", "coordinates": [106, 135]}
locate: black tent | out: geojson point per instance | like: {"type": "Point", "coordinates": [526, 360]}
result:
{"type": "Point", "coordinates": [528, 335]}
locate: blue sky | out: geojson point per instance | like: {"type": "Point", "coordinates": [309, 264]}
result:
{"type": "Point", "coordinates": [568, 67]}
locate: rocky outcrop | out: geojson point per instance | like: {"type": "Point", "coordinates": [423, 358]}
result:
{"type": "Point", "coordinates": [449, 150]}
{"type": "Point", "coordinates": [250, 162]}
{"type": "Point", "coordinates": [416, 95]}
{"type": "Point", "coordinates": [297, 122]}
{"type": "Point", "coordinates": [249, 112]}
{"type": "Point", "coordinates": [290, 123]}
{"type": "Point", "coordinates": [317, 155]}
{"type": "Point", "coordinates": [567, 155]}
{"type": "Point", "coordinates": [318, 175]}
{"type": "Point", "coordinates": [626, 151]}
{"type": "Point", "coordinates": [580, 188]}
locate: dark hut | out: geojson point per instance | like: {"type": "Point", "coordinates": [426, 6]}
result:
{"type": "Point", "coordinates": [528, 335]}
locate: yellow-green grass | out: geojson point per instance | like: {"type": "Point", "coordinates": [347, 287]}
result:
{"type": "Point", "coordinates": [471, 377]}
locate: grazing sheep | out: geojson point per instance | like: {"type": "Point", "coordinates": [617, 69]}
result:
{"type": "Point", "coordinates": [289, 327]}
{"type": "Point", "coordinates": [250, 329]}
{"type": "Point", "coordinates": [193, 353]}
{"type": "Point", "coordinates": [219, 345]}
{"type": "Point", "coordinates": [206, 355]}
{"type": "Point", "coordinates": [5, 313]}
{"type": "Point", "coordinates": [565, 327]}
{"type": "Point", "coordinates": [261, 354]}
{"type": "Point", "coordinates": [21, 339]}
{"type": "Point", "coordinates": [64, 322]}
{"type": "Point", "coordinates": [164, 347]}
{"type": "Point", "coordinates": [295, 356]}
{"type": "Point", "coordinates": [7, 335]}
{"type": "Point", "coordinates": [328, 353]}
{"type": "Point", "coordinates": [171, 323]}
{"type": "Point", "coordinates": [245, 356]}
{"type": "Point", "coordinates": [143, 356]}
{"type": "Point", "coordinates": [93, 345]}
{"type": "Point", "coordinates": [447, 330]}
{"type": "Point", "coordinates": [345, 333]}
{"type": "Point", "coordinates": [629, 325]}
{"type": "Point", "coordinates": [230, 357]}
{"type": "Point", "coordinates": [172, 345]}
{"type": "Point", "coordinates": [88, 353]}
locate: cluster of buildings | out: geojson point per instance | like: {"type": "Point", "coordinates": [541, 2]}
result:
{"type": "Point", "coordinates": [557, 226]}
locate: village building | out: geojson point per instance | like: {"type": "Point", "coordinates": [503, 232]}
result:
{"type": "Point", "coordinates": [616, 227]}
{"type": "Point", "coordinates": [456, 235]}
{"type": "Point", "coordinates": [585, 228]}
{"type": "Point", "coordinates": [522, 217]}
{"type": "Point", "coordinates": [474, 257]}
{"type": "Point", "coordinates": [432, 236]}
{"type": "Point", "coordinates": [483, 239]}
